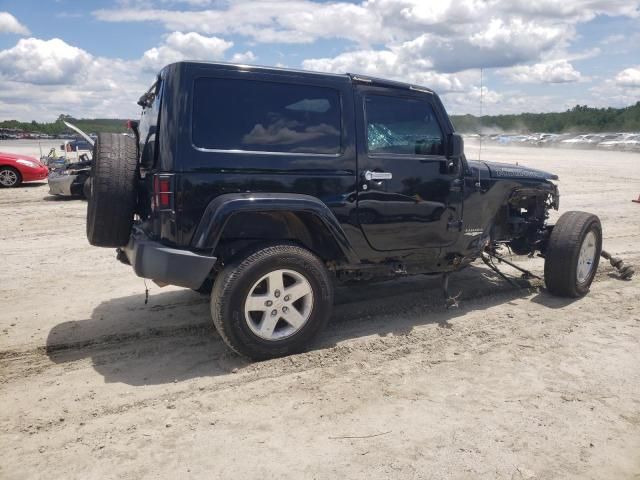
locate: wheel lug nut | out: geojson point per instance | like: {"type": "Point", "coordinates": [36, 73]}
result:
{"type": "Point", "coordinates": [276, 293]}
{"type": "Point", "coordinates": [268, 303]}
{"type": "Point", "coordinates": [286, 298]}
{"type": "Point", "coordinates": [274, 313]}
{"type": "Point", "coordinates": [285, 309]}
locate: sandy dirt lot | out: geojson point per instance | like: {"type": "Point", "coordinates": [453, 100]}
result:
{"type": "Point", "coordinates": [515, 384]}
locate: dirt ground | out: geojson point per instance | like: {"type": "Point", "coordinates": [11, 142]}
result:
{"type": "Point", "coordinates": [515, 384]}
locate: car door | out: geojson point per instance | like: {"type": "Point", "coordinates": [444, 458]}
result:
{"type": "Point", "coordinates": [409, 192]}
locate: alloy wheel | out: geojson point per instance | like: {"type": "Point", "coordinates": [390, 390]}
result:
{"type": "Point", "coordinates": [279, 304]}
{"type": "Point", "coordinates": [8, 178]}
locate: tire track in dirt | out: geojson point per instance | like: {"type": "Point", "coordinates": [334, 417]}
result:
{"type": "Point", "coordinates": [348, 313]}
{"type": "Point", "coordinates": [479, 338]}
{"type": "Point", "coordinates": [351, 319]}
{"type": "Point", "coordinates": [479, 335]}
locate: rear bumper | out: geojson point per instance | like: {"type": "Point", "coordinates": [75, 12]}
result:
{"type": "Point", "coordinates": [163, 264]}
{"type": "Point", "coordinates": [61, 185]}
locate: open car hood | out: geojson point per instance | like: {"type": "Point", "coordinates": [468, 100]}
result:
{"type": "Point", "coordinates": [83, 134]}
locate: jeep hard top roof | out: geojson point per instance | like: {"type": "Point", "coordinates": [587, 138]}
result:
{"type": "Point", "coordinates": [353, 77]}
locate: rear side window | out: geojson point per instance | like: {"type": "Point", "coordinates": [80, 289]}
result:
{"type": "Point", "coordinates": [148, 127]}
{"type": "Point", "coordinates": [230, 114]}
{"type": "Point", "coordinates": [402, 125]}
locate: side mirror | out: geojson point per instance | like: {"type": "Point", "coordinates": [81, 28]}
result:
{"type": "Point", "coordinates": [455, 146]}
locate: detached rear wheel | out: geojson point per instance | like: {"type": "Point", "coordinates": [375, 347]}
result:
{"type": "Point", "coordinates": [272, 302]}
{"type": "Point", "coordinates": [86, 188]}
{"type": "Point", "coordinates": [573, 254]}
{"type": "Point", "coordinates": [112, 197]}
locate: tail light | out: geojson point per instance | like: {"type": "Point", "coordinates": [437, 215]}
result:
{"type": "Point", "coordinates": [163, 192]}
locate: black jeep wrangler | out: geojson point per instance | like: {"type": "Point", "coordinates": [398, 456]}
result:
{"type": "Point", "coordinates": [263, 185]}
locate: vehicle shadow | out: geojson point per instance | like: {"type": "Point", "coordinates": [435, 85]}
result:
{"type": "Point", "coordinates": [172, 338]}
{"type": "Point", "coordinates": [33, 184]}
{"type": "Point", "coordinates": [60, 198]}
{"type": "Point", "coordinates": [545, 298]}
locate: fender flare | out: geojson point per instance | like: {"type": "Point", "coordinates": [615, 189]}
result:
{"type": "Point", "coordinates": [222, 208]}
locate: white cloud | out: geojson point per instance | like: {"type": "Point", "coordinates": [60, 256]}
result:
{"type": "Point", "coordinates": [629, 77]}
{"type": "Point", "coordinates": [244, 57]}
{"type": "Point", "coordinates": [451, 35]}
{"type": "Point", "coordinates": [43, 62]}
{"type": "Point", "coordinates": [195, 3]}
{"type": "Point", "coordinates": [490, 23]}
{"type": "Point", "coordinates": [109, 88]}
{"type": "Point", "coordinates": [283, 21]}
{"type": "Point", "coordinates": [39, 79]}
{"type": "Point", "coordinates": [436, 44]}
{"type": "Point", "coordinates": [391, 64]}
{"type": "Point", "coordinates": [367, 62]}
{"type": "Point", "coordinates": [618, 91]}
{"type": "Point", "coordinates": [469, 100]}
{"type": "Point", "coordinates": [184, 46]}
{"type": "Point", "coordinates": [10, 24]}
{"type": "Point", "coordinates": [496, 45]}
{"type": "Point", "coordinates": [559, 71]}
{"type": "Point", "coordinates": [615, 38]}
{"type": "Point", "coordinates": [577, 10]}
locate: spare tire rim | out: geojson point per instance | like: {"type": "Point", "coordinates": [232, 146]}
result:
{"type": "Point", "coordinates": [8, 178]}
{"type": "Point", "coordinates": [279, 304]}
{"type": "Point", "coordinates": [587, 257]}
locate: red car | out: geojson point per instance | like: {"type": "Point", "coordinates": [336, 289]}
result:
{"type": "Point", "coordinates": [15, 169]}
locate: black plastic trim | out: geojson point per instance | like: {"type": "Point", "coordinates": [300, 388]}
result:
{"type": "Point", "coordinates": [163, 264]}
{"type": "Point", "coordinates": [220, 210]}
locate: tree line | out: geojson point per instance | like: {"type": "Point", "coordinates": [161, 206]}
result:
{"type": "Point", "coordinates": [93, 125]}
{"type": "Point", "coordinates": [580, 118]}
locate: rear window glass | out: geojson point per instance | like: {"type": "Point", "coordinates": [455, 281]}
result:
{"type": "Point", "coordinates": [402, 126]}
{"type": "Point", "coordinates": [230, 114]}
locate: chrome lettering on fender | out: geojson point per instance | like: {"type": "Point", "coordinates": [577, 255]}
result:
{"type": "Point", "coordinates": [517, 172]}
{"type": "Point", "coordinates": [472, 232]}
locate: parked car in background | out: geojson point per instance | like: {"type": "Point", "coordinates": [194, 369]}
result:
{"type": "Point", "coordinates": [16, 169]}
{"type": "Point", "coordinates": [76, 146]}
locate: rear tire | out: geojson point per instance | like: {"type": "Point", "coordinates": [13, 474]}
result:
{"type": "Point", "coordinates": [86, 188]}
{"type": "Point", "coordinates": [572, 254]}
{"type": "Point", "coordinates": [272, 302]}
{"type": "Point", "coordinates": [10, 177]}
{"type": "Point", "coordinates": [112, 200]}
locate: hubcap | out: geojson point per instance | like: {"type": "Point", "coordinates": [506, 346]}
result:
{"type": "Point", "coordinates": [8, 178]}
{"type": "Point", "coordinates": [279, 304]}
{"type": "Point", "coordinates": [587, 257]}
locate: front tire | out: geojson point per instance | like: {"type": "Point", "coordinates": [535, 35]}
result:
{"type": "Point", "coordinates": [272, 302]}
{"type": "Point", "coordinates": [572, 254]}
{"type": "Point", "coordinates": [10, 177]}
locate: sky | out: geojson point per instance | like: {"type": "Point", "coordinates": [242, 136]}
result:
{"type": "Point", "coordinates": [94, 58]}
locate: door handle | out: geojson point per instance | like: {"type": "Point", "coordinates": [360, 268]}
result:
{"type": "Point", "coordinates": [377, 176]}
{"type": "Point", "coordinates": [456, 185]}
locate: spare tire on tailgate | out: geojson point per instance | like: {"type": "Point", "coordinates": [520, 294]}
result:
{"type": "Point", "coordinates": [113, 190]}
